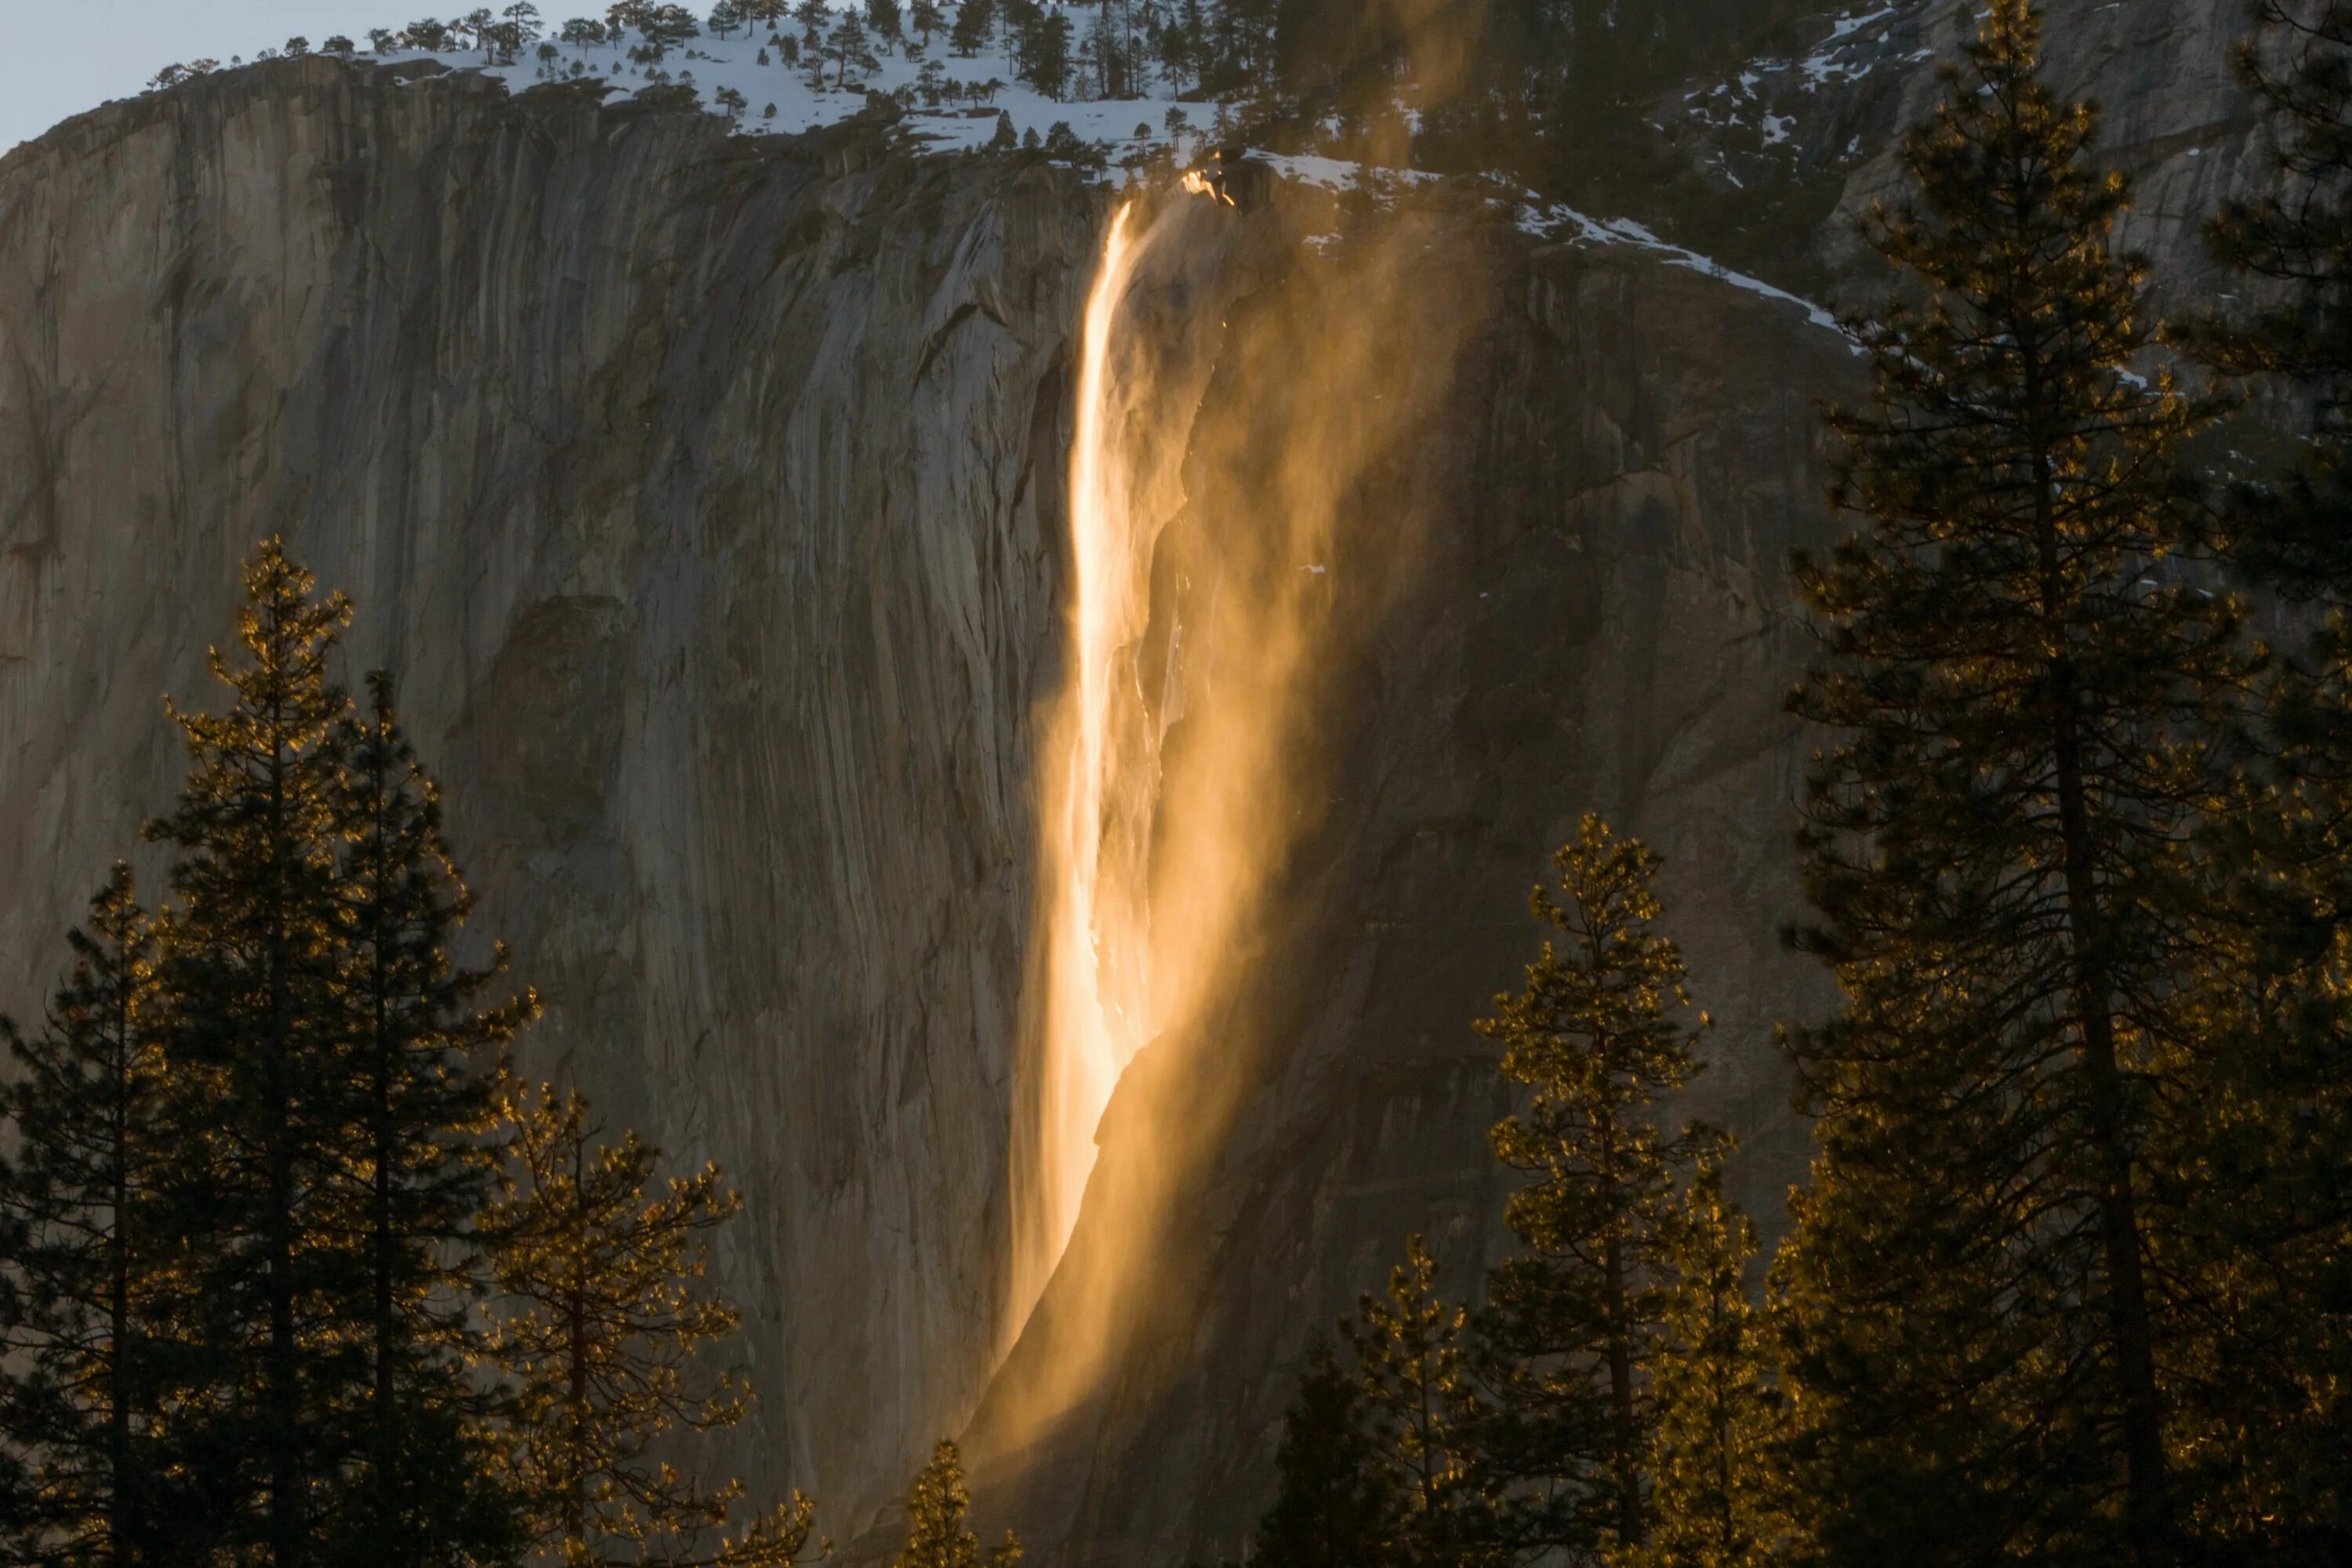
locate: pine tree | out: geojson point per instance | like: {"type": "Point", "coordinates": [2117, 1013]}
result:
{"type": "Point", "coordinates": [425, 1086]}
{"type": "Point", "coordinates": [2028, 697]}
{"type": "Point", "coordinates": [2257, 1267]}
{"type": "Point", "coordinates": [1335, 1503]}
{"type": "Point", "coordinates": [1572, 1325]}
{"type": "Point", "coordinates": [1718, 1414]}
{"type": "Point", "coordinates": [1041, 48]}
{"type": "Point", "coordinates": [936, 1533]}
{"type": "Point", "coordinates": [249, 972]}
{"type": "Point", "coordinates": [2273, 1382]}
{"type": "Point", "coordinates": [973, 18]}
{"type": "Point", "coordinates": [1426, 1422]}
{"type": "Point", "coordinates": [847, 47]}
{"type": "Point", "coordinates": [599, 1326]}
{"type": "Point", "coordinates": [87, 1270]}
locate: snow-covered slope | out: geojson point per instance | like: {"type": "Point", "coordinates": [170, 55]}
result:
{"type": "Point", "coordinates": [951, 101]}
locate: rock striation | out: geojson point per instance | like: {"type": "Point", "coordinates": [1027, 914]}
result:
{"type": "Point", "coordinates": [707, 493]}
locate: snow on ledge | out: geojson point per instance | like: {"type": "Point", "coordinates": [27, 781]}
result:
{"type": "Point", "coordinates": [1543, 220]}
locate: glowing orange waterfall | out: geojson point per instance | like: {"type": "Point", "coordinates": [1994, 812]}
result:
{"type": "Point", "coordinates": [1169, 782]}
{"type": "Point", "coordinates": [1097, 957]}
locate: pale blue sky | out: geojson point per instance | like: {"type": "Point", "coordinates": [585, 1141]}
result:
{"type": "Point", "coordinates": [57, 60]}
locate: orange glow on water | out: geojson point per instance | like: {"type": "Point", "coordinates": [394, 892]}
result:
{"type": "Point", "coordinates": [1217, 469]}
{"type": "Point", "coordinates": [1096, 958]}
{"type": "Point", "coordinates": [1199, 185]}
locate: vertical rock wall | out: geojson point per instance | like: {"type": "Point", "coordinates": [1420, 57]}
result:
{"type": "Point", "coordinates": [704, 493]}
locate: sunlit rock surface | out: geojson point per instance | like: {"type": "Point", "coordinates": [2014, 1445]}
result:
{"type": "Point", "coordinates": [708, 495]}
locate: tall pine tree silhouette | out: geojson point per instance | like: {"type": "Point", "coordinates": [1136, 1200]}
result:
{"type": "Point", "coordinates": [90, 1261]}
{"type": "Point", "coordinates": [1573, 1325]}
{"type": "Point", "coordinates": [2265, 1401]}
{"type": "Point", "coordinates": [250, 976]}
{"type": "Point", "coordinates": [2026, 696]}
{"type": "Point", "coordinates": [1717, 1500]}
{"type": "Point", "coordinates": [425, 1079]}
{"type": "Point", "coordinates": [2294, 239]}
{"type": "Point", "coordinates": [1414, 1354]}
{"type": "Point", "coordinates": [1335, 1499]}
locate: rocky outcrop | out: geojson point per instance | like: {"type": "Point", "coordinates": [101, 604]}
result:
{"type": "Point", "coordinates": [1805, 141]}
{"type": "Point", "coordinates": [707, 493]}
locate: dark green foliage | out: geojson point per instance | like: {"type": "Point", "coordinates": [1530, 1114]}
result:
{"type": "Point", "coordinates": [1041, 48]}
{"type": "Point", "coordinates": [423, 1079]}
{"type": "Point", "coordinates": [973, 18]}
{"type": "Point", "coordinates": [2267, 1400]}
{"type": "Point", "coordinates": [1992, 1282]}
{"type": "Point", "coordinates": [332, 1100]}
{"type": "Point", "coordinates": [1336, 1499]}
{"type": "Point", "coordinates": [1717, 1501]}
{"type": "Point", "coordinates": [1613, 1401]}
{"type": "Point", "coordinates": [88, 1282]}
{"type": "Point", "coordinates": [1380, 1464]}
{"type": "Point", "coordinates": [1061, 142]}
{"type": "Point", "coordinates": [242, 1226]}
{"type": "Point", "coordinates": [250, 982]}
{"type": "Point", "coordinates": [849, 47]}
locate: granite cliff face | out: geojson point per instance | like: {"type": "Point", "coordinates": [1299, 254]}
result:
{"type": "Point", "coordinates": [704, 497]}
{"type": "Point", "coordinates": [707, 493]}
{"type": "Point", "coordinates": [1788, 150]}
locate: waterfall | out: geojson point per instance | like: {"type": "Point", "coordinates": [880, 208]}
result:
{"type": "Point", "coordinates": [1213, 462]}
{"type": "Point", "coordinates": [1099, 791]}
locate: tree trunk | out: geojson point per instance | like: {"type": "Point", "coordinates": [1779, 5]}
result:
{"type": "Point", "coordinates": [380, 1220]}
{"type": "Point", "coordinates": [576, 1505]}
{"type": "Point", "coordinates": [2128, 1327]}
{"type": "Point", "coordinates": [123, 1487]}
{"type": "Point", "coordinates": [1621, 1397]}
{"type": "Point", "coordinates": [282, 1398]}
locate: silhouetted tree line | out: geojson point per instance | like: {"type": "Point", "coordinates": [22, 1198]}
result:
{"type": "Point", "coordinates": [293, 1269]}
{"type": "Point", "coordinates": [2071, 1280]}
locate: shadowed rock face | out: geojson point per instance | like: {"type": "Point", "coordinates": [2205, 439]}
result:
{"type": "Point", "coordinates": [2173, 117]}
{"type": "Point", "coordinates": [706, 494]}
{"type": "Point", "coordinates": [1787, 152]}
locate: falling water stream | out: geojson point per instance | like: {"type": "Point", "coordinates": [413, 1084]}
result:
{"type": "Point", "coordinates": [1098, 792]}
{"type": "Point", "coordinates": [1215, 468]}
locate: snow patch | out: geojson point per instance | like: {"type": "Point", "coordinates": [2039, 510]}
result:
{"type": "Point", "coordinates": [1550, 220]}
{"type": "Point", "coordinates": [710, 66]}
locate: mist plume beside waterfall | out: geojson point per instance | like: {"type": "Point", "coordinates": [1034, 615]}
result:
{"type": "Point", "coordinates": [1241, 396]}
